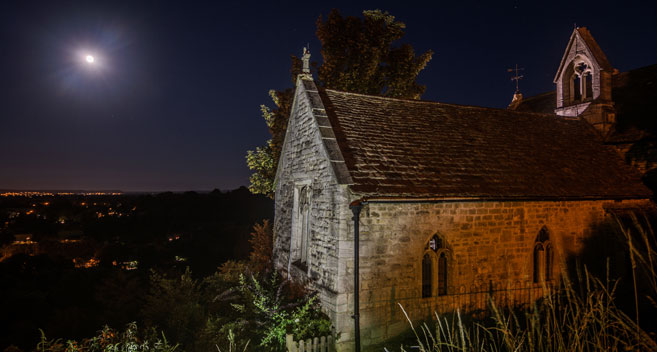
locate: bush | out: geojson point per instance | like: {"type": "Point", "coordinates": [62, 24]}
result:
{"type": "Point", "coordinates": [266, 310]}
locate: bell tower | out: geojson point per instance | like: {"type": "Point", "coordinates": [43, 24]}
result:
{"type": "Point", "coordinates": [584, 82]}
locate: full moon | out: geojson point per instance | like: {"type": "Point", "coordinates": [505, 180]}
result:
{"type": "Point", "coordinates": [90, 59]}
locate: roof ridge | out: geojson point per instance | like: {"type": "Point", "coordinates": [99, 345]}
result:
{"type": "Point", "coordinates": [430, 102]}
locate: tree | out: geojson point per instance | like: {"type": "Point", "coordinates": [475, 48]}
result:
{"type": "Point", "coordinates": [359, 56]}
{"type": "Point", "coordinates": [264, 160]}
{"type": "Point", "coordinates": [262, 246]}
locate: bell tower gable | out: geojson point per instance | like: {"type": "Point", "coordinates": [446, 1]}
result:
{"type": "Point", "coordinates": [583, 82]}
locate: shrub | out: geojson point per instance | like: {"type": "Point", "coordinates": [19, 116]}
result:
{"type": "Point", "coordinates": [266, 310]}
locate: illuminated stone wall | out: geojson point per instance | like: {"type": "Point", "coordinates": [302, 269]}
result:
{"type": "Point", "coordinates": [491, 243]}
{"type": "Point", "coordinates": [305, 160]}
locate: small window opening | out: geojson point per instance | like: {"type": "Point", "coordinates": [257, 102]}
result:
{"type": "Point", "coordinates": [442, 274]}
{"type": "Point", "coordinates": [304, 210]}
{"type": "Point", "coordinates": [427, 264]}
{"type": "Point", "coordinates": [577, 88]}
{"type": "Point", "coordinates": [542, 257]}
{"type": "Point", "coordinates": [588, 86]}
{"type": "Point", "coordinates": [300, 241]}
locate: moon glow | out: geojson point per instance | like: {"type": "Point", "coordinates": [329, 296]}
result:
{"type": "Point", "coordinates": [90, 59]}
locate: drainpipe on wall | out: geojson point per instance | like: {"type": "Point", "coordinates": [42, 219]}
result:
{"type": "Point", "coordinates": [356, 208]}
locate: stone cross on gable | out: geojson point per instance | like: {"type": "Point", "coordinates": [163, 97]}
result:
{"type": "Point", "coordinates": [306, 61]}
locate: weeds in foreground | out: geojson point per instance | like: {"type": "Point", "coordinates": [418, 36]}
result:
{"type": "Point", "coordinates": [110, 340]}
{"type": "Point", "coordinates": [232, 345]}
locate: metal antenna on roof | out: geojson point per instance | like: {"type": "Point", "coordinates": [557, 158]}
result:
{"type": "Point", "coordinates": [517, 76]}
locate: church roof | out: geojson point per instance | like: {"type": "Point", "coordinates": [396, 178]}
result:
{"type": "Point", "coordinates": [542, 103]}
{"type": "Point", "coordinates": [419, 149]}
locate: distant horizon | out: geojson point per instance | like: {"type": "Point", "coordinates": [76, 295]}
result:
{"type": "Point", "coordinates": [81, 190]}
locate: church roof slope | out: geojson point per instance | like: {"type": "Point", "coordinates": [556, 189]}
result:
{"type": "Point", "coordinates": [408, 148]}
{"type": "Point", "coordinates": [542, 103]}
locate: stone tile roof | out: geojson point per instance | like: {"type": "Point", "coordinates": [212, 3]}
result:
{"type": "Point", "coordinates": [544, 103]}
{"type": "Point", "coordinates": [408, 148]}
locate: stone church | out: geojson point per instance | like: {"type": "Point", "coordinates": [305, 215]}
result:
{"type": "Point", "coordinates": [428, 201]}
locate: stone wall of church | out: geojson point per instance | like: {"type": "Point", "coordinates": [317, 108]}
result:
{"type": "Point", "coordinates": [490, 243]}
{"type": "Point", "coordinates": [305, 162]}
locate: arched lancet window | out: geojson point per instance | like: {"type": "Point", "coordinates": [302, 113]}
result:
{"type": "Point", "coordinates": [577, 88]}
{"type": "Point", "coordinates": [300, 236]}
{"type": "Point", "coordinates": [542, 257]}
{"type": "Point", "coordinates": [578, 81]}
{"type": "Point", "coordinates": [538, 260]}
{"type": "Point", "coordinates": [442, 274]}
{"type": "Point", "coordinates": [427, 266]}
{"type": "Point", "coordinates": [304, 217]}
{"type": "Point", "coordinates": [588, 86]}
{"type": "Point", "coordinates": [548, 262]}
{"type": "Point", "coordinates": [435, 268]}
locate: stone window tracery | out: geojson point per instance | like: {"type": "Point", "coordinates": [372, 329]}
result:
{"type": "Point", "coordinates": [580, 87]}
{"type": "Point", "coordinates": [435, 267]}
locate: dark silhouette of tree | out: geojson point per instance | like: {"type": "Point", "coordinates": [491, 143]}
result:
{"type": "Point", "coordinates": [635, 100]}
{"type": "Point", "coordinates": [360, 57]}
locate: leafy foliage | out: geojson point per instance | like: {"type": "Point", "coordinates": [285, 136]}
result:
{"type": "Point", "coordinates": [264, 160]}
{"type": "Point", "coordinates": [232, 308]}
{"type": "Point", "coordinates": [270, 309]}
{"type": "Point", "coordinates": [261, 162]}
{"type": "Point", "coordinates": [360, 55]}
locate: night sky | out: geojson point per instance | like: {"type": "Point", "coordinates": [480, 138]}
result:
{"type": "Point", "coordinates": [172, 101]}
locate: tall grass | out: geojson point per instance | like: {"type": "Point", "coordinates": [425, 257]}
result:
{"type": "Point", "coordinates": [585, 319]}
